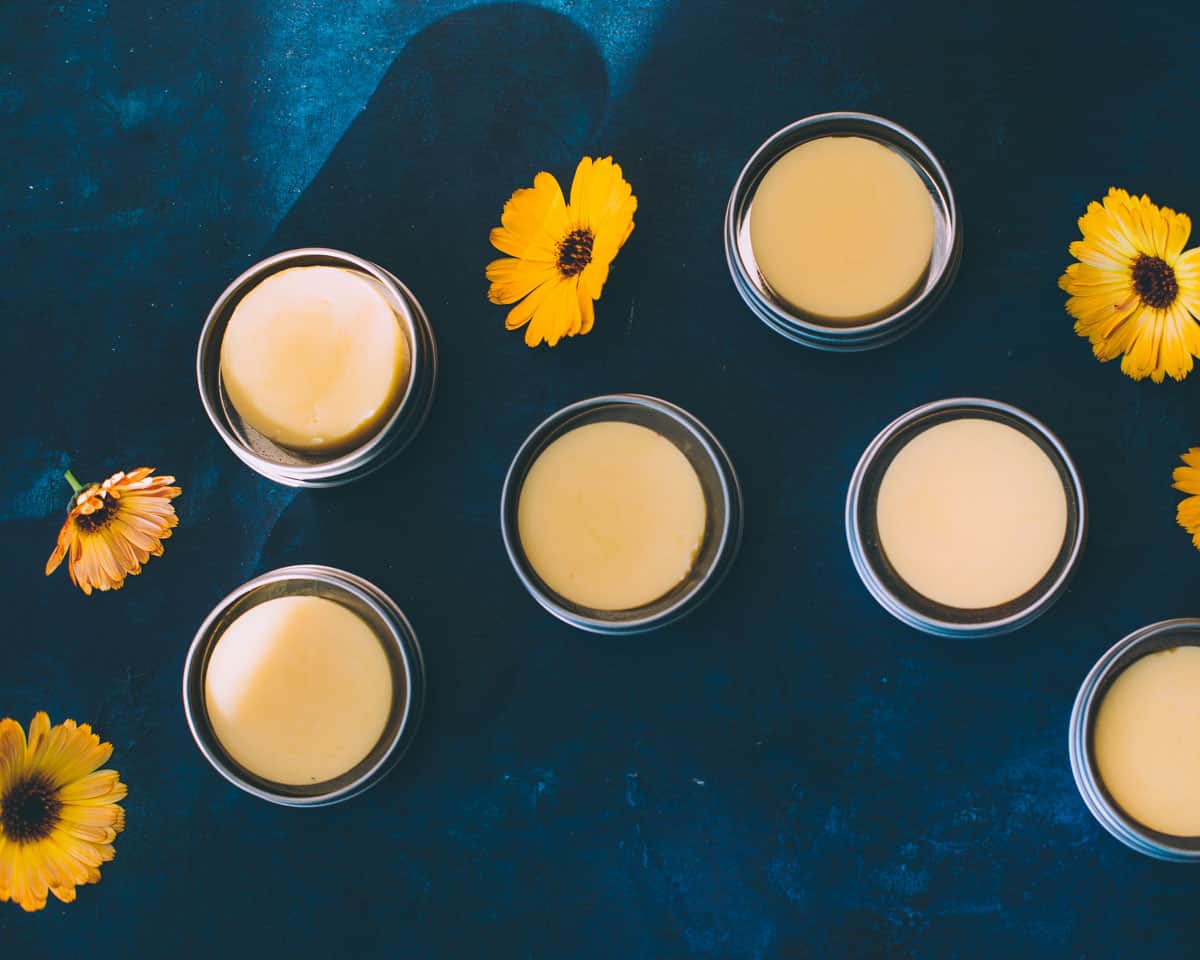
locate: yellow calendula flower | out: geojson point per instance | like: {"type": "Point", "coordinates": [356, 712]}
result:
{"type": "Point", "coordinates": [1187, 479]}
{"type": "Point", "coordinates": [114, 527]}
{"type": "Point", "coordinates": [558, 252]}
{"type": "Point", "coordinates": [58, 812]}
{"type": "Point", "coordinates": [1135, 291]}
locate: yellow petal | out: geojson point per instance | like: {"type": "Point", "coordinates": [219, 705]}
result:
{"type": "Point", "coordinates": [521, 314]}
{"type": "Point", "coordinates": [39, 730]}
{"type": "Point", "coordinates": [72, 753]}
{"type": "Point", "coordinates": [513, 279]}
{"type": "Point", "coordinates": [1187, 274]}
{"type": "Point", "coordinates": [533, 222]}
{"type": "Point", "coordinates": [581, 194]}
{"type": "Point", "coordinates": [1179, 229]}
{"type": "Point", "coordinates": [593, 278]}
{"type": "Point", "coordinates": [96, 789]}
{"type": "Point", "coordinates": [1188, 514]}
{"type": "Point", "coordinates": [556, 317]}
{"type": "Point", "coordinates": [28, 885]}
{"type": "Point", "coordinates": [12, 751]}
{"type": "Point", "coordinates": [1186, 479]}
{"type": "Point", "coordinates": [605, 204]}
{"type": "Point", "coordinates": [587, 311]}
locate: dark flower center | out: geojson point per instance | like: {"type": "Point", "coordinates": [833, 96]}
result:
{"type": "Point", "coordinates": [1155, 282]}
{"type": "Point", "coordinates": [575, 252]}
{"type": "Point", "coordinates": [89, 522]}
{"type": "Point", "coordinates": [29, 809]}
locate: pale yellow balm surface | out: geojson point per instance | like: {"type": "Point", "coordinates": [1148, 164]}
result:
{"type": "Point", "coordinates": [314, 358]}
{"type": "Point", "coordinates": [842, 228]}
{"type": "Point", "coordinates": [1146, 741]}
{"type": "Point", "coordinates": [611, 515]}
{"type": "Point", "coordinates": [298, 690]}
{"type": "Point", "coordinates": [971, 513]}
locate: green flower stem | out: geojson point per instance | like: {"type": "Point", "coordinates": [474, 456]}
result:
{"type": "Point", "coordinates": [75, 484]}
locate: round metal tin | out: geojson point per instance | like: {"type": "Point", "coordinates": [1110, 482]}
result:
{"type": "Point", "coordinates": [293, 468]}
{"type": "Point", "coordinates": [1158, 636]}
{"type": "Point", "coordinates": [397, 638]}
{"type": "Point", "coordinates": [887, 587]}
{"type": "Point", "coordinates": [814, 331]}
{"type": "Point", "coordinates": [718, 481]}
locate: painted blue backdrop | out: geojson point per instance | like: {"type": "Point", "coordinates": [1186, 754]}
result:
{"type": "Point", "coordinates": [789, 773]}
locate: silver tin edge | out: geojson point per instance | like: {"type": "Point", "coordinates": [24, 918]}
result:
{"type": "Point", "coordinates": [402, 636]}
{"type": "Point", "coordinates": [730, 535]}
{"type": "Point", "coordinates": [914, 618]}
{"type": "Point", "coordinates": [807, 330]}
{"type": "Point", "coordinates": [404, 423]}
{"type": "Point", "coordinates": [1116, 822]}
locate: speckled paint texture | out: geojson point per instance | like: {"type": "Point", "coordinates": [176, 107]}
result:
{"type": "Point", "coordinates": [787, 774]}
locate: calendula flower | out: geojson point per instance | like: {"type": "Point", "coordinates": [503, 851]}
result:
{"type": "Point", "coordinates": [1135, 291]}
{"type": "Point", "coordinates": [1187, 479]}
{"type": "Point", "coordinates": [113, 527]}
{"type": "Point", "coordinates": [58, 812]}
{"type": "Point", "coordinates": [558, 252]}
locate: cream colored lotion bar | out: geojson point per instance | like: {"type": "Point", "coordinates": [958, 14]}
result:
{"type": "Point", "coordinates": [1146, 741]}
{"type": "Point", "coordinates": [611, 515]}
{"type": "Point", "coordinates": [971, 513]}
{"type": "Point", "coordinates": [842, 228]}
{"type": "Point", "coordinates": [314, 358]}
{"type": "Point", "coordinates": [298, 690]}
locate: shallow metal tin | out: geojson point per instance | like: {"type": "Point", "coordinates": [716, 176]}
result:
{"type": "Point", "coordinates": [813, 331]}
{"type": "Point", "coordinates": [872, 564]}
{"type": "Point", "coordinates": [297, 469]}
{"type": "Point", "coordinates": [399, 643]}
{"type": "Point", "coordinates": [1158, 636]}
{"type": "Point", "coordinates": [722, 496]}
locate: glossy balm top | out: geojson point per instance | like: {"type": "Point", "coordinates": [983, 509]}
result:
{"type": "Point", "coordinates": [1146, 741]}
{"type": "Point", "coordinates": [314, 358]}
{"type": "Point", "coordinates": [611, 515]}
{"type": "Point", "coordinates": [298, 690]}
{"type": "Point", "coordinates": [842, 228]}
{"type": "Point", "coordinates": [971, 513]}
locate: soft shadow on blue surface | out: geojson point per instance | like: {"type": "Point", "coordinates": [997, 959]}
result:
{"type": "Point", "coordinates": [789, 773]}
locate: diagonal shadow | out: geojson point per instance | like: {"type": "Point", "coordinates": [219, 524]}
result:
{"type": "Point", "coordinates": [471, 109]}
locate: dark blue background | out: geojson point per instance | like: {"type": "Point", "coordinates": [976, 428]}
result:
{"type": "Point", "coordinates": [789, 773]}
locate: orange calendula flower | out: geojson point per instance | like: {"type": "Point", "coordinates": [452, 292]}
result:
{"type": "Point", "coordinates": [558, 252]}
{"type": "Point", "coordinates": [1187, 479]}
{"type": "Point", "coordinates": [113, 527]}
{"type": "Point", "coordinates": [1135, 291]}
{"type": "Point", "coordinates": [58, 812]}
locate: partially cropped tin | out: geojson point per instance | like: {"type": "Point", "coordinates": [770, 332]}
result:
{"type": "Point", "coordinates": [722, 501]}
{"type": "Point", "coordinates": [898, 318]}
{"type": "Point", "coordinates": [1156, 638]}
{"type": "Point", "coordinates": [880, 574]}
{"type": "Point", "coordinates": [403, 657]}
{"type": "Point", "coordinates": [294, 467]}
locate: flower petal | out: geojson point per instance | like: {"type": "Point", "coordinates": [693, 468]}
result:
{"type": "Point", "coordinates": [1186, 479]}
{"type": "Point", "coordinates": [533, 221]}
{"type": "Point", "coordinates": [513, 279]}
{"type": "Point", "coordinates": [12, 751]}
{"type": "Point", "coordinates": [72, 752]}
{"type": "Point", "coordinates": [1187, 274]}
{"type": "Point", "coordinates": [39, 732]}
{"type": "Point", "coordinates": [96, 789]}
{"type": "Point", "coordinates": [523, 312]}
{"type": "Point", "coordinates": [587, 311]}
{"type": "Point", "coordinates": [603, 203]}
{"type": "Point", "coordinates": [556, 316]}
{"type": "Point", "coordinates": [65, 535]}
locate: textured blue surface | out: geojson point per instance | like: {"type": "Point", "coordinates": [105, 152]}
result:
{"type": "Point", "coordinates": [789, 773]}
